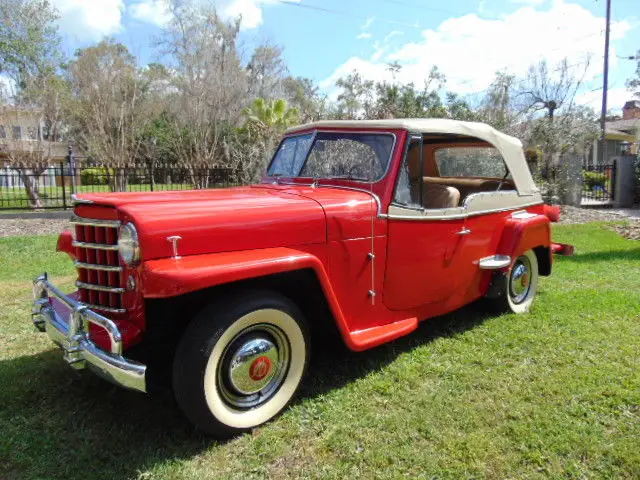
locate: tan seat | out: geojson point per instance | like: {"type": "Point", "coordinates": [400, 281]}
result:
{"type": "Point", "coordinates": [468, 186]}
{"type": "Point", "coordinates": [440, 196]}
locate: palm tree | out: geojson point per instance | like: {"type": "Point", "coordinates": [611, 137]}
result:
{"type": "Point", "coordinates": [271, 115]}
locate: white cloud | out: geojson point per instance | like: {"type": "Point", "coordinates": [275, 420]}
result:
{"type": "Point", "coordinates": [367, 23]}
{"type": "Point", "coordinates": [152, 11]}
{"type": "Point", "coordinates": [90, 19]}
{"type": "Point", "coordinates": [363, 29]}
{"type": "Point", "coordinates": [391, 34]}
{"type": "Point", "coordinates": [249, 10]}
{"type": "Point", "coordinates": [469, 49]}
{"type": "Point", "coordinates": [616, 98]}
{"type": "Point", "coordinates": [157, 12]}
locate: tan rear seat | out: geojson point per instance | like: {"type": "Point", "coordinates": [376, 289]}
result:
{"type": "Point", "coordinates": [466, 186]}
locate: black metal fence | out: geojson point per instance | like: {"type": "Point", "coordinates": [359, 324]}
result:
{"type": "Point", "coordinates": [53, 186]}
{"type": "Point", "coordinates": [599, 184]}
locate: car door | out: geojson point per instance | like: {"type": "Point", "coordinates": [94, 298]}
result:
{"type": "Point", "coordinates": [430, 251]}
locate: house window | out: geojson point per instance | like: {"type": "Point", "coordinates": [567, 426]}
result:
{"type": "Point", "coordinates": [16, 132]}
{"type": "Point", "coordinates": [3, 132]}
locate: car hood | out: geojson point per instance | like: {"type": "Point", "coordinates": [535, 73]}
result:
{"type": "Point", "coordinates": [210, 221]}
{"type": "Point", "coordinates": [240, 218]}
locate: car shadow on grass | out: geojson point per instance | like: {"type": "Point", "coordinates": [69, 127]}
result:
{"type": "Point", "coordinates": [60, 423]}
{"type": "Point", "coordinates": [333, 365]}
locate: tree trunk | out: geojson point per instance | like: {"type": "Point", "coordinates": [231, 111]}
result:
{"type": "Point", "coordinates": [32, 186]}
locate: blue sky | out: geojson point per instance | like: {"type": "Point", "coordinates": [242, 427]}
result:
{"type": "Point", "coordinates": [468, 40]}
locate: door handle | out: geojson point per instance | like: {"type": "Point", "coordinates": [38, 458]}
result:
{"type": "Point", "coordinates": [463, 231]}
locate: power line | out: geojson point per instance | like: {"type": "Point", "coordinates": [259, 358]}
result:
{"type": "Point", "coordinates": [422, 7]}
{"type": "Point", "coordinates": [343, 13]}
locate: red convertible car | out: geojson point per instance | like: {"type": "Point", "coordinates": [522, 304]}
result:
{"type": "Point", "coordinates": [370, 226]}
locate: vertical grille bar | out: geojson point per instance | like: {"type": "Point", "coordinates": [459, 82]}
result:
{"type": "Point", "coordinates": [98, 263]}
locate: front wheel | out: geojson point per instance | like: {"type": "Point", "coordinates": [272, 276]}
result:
{"type": "Point", "coordinates": [240, 362]}
{"type": "Point", "coordinates": [515, 290]}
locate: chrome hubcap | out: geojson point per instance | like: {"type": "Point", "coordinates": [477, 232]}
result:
{"type": "Point", "coordinates": [253, 366]}
{"type": "Point", "coordinates": [520, 281]}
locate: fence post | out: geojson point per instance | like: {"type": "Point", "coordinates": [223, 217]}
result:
{"type": "Point", "coordinates": [64, 191]}
{"type": "Point", "coordinates": [624, 181]}
{"type": "Point", "coordinates": [151, 179]}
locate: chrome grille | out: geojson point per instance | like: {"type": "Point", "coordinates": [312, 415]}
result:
{"type": "Point", "coordinates": [100, 280]}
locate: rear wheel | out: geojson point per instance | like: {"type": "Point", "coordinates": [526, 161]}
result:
{"type": "Point", "coordinates": [515, 290]}
{"type": "Point", "coordinates": [240, 362]}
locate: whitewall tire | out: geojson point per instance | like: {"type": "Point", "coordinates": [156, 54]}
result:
{"type": "Point", "coordinates": [240, 362]}
{"type": "Point", "coordinates": [515, 290]}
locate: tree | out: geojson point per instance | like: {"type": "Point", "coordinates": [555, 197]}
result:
{"type": "Point", "coordinates": [209, 87]}
{"type": "Point", "coordinates": [254, 143]}
{"type": "Point", "coordinates": [266, 72]}
{"type": "Point", "coordinates": [29, 41]}
{"type": "Point", "coordinates": [549, 90]}
{"type": "Point", "coordinates": [497, 107]}
{"type": "Point", "coordinates": [356, 99]}
{"type": "Point", "coordinates": [29, 57]}
{"type": "Point", "coordinates": [272, 116]}
{"type": "Point", "coordinates": [108, 108]}
{"type": "Point", "coordinates": [459, 109]}
{"type": "Point", "coordinates": [301, 93]}
{"type": "Point", "coordinates": [633, 84]}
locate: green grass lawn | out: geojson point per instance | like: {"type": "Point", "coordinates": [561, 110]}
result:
{"type": "Point", "coordinates": [551, 394]}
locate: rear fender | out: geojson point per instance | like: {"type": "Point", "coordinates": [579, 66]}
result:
{"type": "Point", "coordinates": [526, 232]}
{"type": "Point", "coordinates": [171, 277]}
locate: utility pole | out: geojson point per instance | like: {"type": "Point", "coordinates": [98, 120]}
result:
{"type": "Point", "coordinates": [605, 83]}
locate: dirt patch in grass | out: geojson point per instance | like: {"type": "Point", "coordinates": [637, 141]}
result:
{"type": "Point", "coordinates": [575, 215]}
{"type": "Point", "coordinates": [630, 230]}
{"type": "Point", "coordinates": [37, 226]}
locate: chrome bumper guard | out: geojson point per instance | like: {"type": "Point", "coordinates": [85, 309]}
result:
{"type": "Point", "coordinates": [79, 350]}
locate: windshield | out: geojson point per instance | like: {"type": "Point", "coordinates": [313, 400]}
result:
{"type": "Point", "coordinates": [355, 156]}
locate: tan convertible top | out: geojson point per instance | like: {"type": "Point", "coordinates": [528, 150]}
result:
{"type": "Point", "coordinates": [509, 147]}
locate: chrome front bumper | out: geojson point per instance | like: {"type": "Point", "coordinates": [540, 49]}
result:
{"type": "Point", "coordinates": [71, 335]}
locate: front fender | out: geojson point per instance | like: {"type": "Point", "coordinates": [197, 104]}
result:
{"type": "Point", "coordinates": [170, 277]}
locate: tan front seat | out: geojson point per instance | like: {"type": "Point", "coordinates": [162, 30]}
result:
{"type": "Point", "coordinates": [439, 196]}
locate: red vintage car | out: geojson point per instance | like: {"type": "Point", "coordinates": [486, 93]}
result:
{"type": "Point", "coordinates": [371, 226]}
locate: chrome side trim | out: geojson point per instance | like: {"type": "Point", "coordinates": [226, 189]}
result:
{"type": "Point", "coordinates": [97, 246]}
{"type": "Point", "coordinates": [94, 222]}
{"type": "Point", "coordinates": [91, 266]}
{"type": "Point", "coordinates": [420, 216]}
{"type": "Point", "coordinates": [72, 336]}
{"type": "Point", "coordinates": [494, 262]}
{"type": "Point", "coordinates": [104, 308]}
{"type": "Point", "coordinates": [99, 288]}
{"type": "Point", "coordinates": [80, 201]}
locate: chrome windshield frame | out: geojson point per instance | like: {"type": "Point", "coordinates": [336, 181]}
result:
{"type": "Point", "coordinates": [313, 180]}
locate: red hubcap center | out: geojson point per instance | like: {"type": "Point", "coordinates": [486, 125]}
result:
{"type": "Point", "coordinates": [259, 368]}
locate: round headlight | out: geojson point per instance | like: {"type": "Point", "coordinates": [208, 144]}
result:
{"type": "Point", "coordinates": [128, 244]}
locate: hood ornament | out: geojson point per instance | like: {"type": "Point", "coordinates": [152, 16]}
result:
{"type": "Point", "coordinates": [174, 239]}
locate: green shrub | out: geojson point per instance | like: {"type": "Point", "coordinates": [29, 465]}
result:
{"type": "Point", "coordinates": [95, 176]}
{"type": "Point", "coordinates": [594, 179]}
